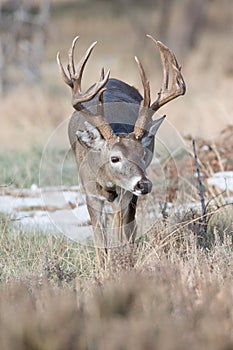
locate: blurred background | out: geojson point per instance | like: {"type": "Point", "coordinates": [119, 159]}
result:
{"type": "Point", "coordinates": [33, 98]}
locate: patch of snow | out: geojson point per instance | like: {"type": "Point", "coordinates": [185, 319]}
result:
{"type": "Point", "coordinates": [34, 188]}
{"type": "Point", "coordinates": [229, 200]}
{"type": "Point", "coordinates": [25, 202]}
{"type": "Point", "coordinates": [58, 199]}
{"type": "Point", "coordinates": [188, 206]}
{"type": "Point", "coordinates": [68, 214]}
{"type": "Point", "coordinates": [6, 204]}
{"type": "Point", "coordinates": [75, 223]}
{"type": "Point", "coordinates": [36, 221]}
{"type": "Point", "coordinates": [223, 180]}
{"type": "Point", "coordinates": [78, 216]}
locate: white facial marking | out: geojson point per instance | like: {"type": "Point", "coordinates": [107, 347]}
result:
{"type": "Point", "coordinates": [137, 193]}
{"type": "Point", "coordinates": [133, 182]}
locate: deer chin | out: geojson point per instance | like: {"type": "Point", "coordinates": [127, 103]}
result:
{"type": "Point", "coordinates": [138, 193]}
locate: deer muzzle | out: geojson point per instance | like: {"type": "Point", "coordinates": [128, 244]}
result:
{"type": "Point", "coordinates": [143, 186]}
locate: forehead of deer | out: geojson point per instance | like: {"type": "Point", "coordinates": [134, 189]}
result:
{"type": "Point", "coordinates": [126, 143]}
{"type": "Point", "coordinates": [123, 138]}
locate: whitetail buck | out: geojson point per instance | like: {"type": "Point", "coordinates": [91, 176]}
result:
{"type": "Point", "coordinates": [112, 135]}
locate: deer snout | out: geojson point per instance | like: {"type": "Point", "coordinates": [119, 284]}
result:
{"type": "Point", "coordinates": [143, 186]}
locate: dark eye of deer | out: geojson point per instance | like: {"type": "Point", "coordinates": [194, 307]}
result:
{"type": "Point", "coordinates": [115, 159]}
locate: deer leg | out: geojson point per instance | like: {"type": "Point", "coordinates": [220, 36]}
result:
{"type": "Point", "coordinates": [124, 218]}
{"type": "Point", "coordinates": [118, 225]}
{"type": "Point", "coordinates": [129, 222]}
{"type": "Point", "coordinates": [95, 209]}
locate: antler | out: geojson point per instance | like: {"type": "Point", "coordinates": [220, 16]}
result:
{"type": "Point", "coordinates": [165, 94]}
{"type": "Point", "coordinates": [74, 79]}
{"type": "Point", "coordinates": [143, 113]}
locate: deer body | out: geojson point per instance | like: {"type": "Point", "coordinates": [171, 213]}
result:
{"type": "Point", "coordinates": [112, 135]}
{"type": "Point", "coordinates": [118, 183]}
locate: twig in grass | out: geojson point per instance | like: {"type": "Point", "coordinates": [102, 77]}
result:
{"type": "Point", "coordinates": [201, 192]}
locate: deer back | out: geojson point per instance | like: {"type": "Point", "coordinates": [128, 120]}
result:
{"type": "Point", "coordinates": [121, 106]}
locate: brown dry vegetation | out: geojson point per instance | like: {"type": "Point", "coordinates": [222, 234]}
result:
{"type": "Point", "coordinates": [164, 293]}
{"type": "Point", "coordinates": [174, 289]}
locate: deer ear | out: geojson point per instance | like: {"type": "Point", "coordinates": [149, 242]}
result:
{"type": "Point", "coordinates": [146, 140]}
{"type": "Point", "coordinates": [90, 137]}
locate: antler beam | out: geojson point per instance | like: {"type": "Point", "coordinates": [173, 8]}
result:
{"type": "Point", "coordinates": [166, 93]}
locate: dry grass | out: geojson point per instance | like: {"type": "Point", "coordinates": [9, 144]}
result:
{"type": "Point", "coordinates": [33, 120]}
{"type": "Point", "coordinates": [165, 293]}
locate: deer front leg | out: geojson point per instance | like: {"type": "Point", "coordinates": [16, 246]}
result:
{"type": "Point", "coordinates": [129, 221]}
{"type": "Point", "coordinates": [124, 222]}
{"type": "Point", "coordinates": [95, 209]}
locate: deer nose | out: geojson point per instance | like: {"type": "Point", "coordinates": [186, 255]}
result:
{"type": "Point", "coordinates": [144, 186]}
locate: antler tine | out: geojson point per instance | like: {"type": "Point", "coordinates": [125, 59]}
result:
{"type": "Point", "coordinates": [66, 79]}
{"type": "Point", "coordinates": [100, 94]}
{"type": "Point", "coordinates": [100, 121]}
{"type": "Point", "coordinates": [145, 103]}
{"type": "Point", "coordinates": [165, 66]}
{"type": "Point", "coordinates": [81, 65]}
{"type": "Point", "coordinates": [71, 66]}
{"type": "Point", "coordinates": [79, 97]}
{"type": "Point", "coordinates": [145, 83]}
{"type": "Point", "coordinates": [102, 74]}
{"type": "Point", "coordinates": [178, 87]}
{"type": "Point", "coordinates": [100, 107]}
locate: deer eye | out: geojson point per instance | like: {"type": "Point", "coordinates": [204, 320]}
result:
{"type": "Point", "coordinates": [115, 159]}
